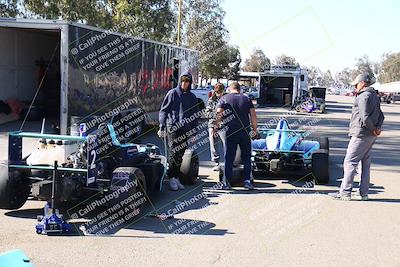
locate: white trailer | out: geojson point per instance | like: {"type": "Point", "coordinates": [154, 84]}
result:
{"type": "Point", "coordinates": [281, 85]}
{"type": "Point", "coordinates": [388, 92]}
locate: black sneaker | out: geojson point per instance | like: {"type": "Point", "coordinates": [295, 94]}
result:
{"type": "Point", "coordinates": [226, 186]}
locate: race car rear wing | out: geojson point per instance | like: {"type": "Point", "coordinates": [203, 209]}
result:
{"type": "Point", "coordinates": [15, 143]}
{"type": "Point", "coordinates": [264, 128]}
{"type": "Point", "coordinates": [15, 160]}
{"type": "Point", "coordinates": [278, 151]}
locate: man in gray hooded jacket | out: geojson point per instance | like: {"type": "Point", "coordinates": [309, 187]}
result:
{"type": "Point", "coordinates": [365, 125]}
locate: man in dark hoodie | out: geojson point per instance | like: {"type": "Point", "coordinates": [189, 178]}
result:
{"type": "Point", "coordinates": [179, 114]}
{"type": "Point", "coordinates": [365, 125]}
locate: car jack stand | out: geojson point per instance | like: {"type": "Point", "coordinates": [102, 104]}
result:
{"type": "Point", "coordinates": [52, 221]}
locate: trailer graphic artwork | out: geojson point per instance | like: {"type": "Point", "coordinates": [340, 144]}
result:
{"type": "Point", "coordinates": [110, 68]}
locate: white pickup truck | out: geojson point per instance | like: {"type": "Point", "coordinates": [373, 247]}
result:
{"type": "Point", "coordinates": [202, 94]}
{"type": "Point", "coordinates": [252, 92]}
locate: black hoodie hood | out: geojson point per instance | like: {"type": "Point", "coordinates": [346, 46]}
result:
{"type": "Point", "coordinates": [188, 74]}
{"type": "Point", "coordinates": [179, 110]}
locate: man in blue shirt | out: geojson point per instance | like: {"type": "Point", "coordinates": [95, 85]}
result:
{"type": "Point", "coordinates": [238, 130]}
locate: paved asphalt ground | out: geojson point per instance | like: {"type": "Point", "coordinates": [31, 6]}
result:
{"type": "Point", "coordinates": [284, 222]}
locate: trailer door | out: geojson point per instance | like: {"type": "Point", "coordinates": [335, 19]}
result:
{"type": "Point", "coordinates": [30, 76]}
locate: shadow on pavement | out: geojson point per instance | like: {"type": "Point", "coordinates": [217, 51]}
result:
{"type": "Point", "coordinates": [157, 215]}
{"type": "Point", "coordinates": [24, 213]}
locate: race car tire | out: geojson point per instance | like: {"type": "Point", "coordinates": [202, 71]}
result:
{"type": "Point", "coordinates": [322, 108]}
{"type": "Point", "coordinates": [323, 142]}
{"type": "Point", "coordinates": [238, 157]}
{"type": "Point", "coordinates": [138, 184]}
{"type": "Point", "coordinates": [320, 166]}
{"type": "Point", "coordinates": [189, 170]}
{"type": "Point", "coordinates": [14, 188]}
{"type": "Point", "coordinates": [153, 171]}
{"type": "Point", "coordinates": [134, 174]}
{"type": "Point", "coordinates": [237, 176]}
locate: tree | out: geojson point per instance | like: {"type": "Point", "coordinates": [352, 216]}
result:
{"type": "Point", "coordinates": [149, 19]}
{"type": "Point", "coordinates": [9, 9]}
{"type": "Point", "coordinates": [363, 64]}
{"type": "Point", "coordinates": [204, 30]}
{"type": "Point", "coordinates": [315, 76]}
{"type": "Point", "coordinates": [152, 19]}
{"type": "Point", "coordinates": [390, 68]}
{"type": "Point", "coordinates": [92, 12]}
{"type": "Point", "coordinates": [224, 64]}
{"type": "Point", "coordinates": [231, 72]}
{"type": "Point", "coordinates": [343, 78]}
{"type": "Point", "coordinates": [285, 60]}
{"type": "Point", "coordinates": [327, 80]}
{"type": "Point", "coordinates": [257, 62]}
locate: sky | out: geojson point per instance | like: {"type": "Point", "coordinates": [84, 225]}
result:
{"type": "Point", "coordinates": [327, 34]}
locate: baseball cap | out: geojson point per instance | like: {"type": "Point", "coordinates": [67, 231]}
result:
{"type": "Point", "coordinates": [362, 77]}
{"type": "Point", "coordinates": [185, 79]}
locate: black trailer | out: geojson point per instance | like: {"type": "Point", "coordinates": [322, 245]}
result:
{"type": "Point", "coordinates": [85, 73]}
{"type": "Point", "coordinates": [318, 92]}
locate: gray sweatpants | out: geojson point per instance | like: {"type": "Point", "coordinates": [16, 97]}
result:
{"type": "Point", "coordinates": [358, 150]}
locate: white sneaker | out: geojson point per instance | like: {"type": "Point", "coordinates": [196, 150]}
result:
{"type": "Point", "coordinates": [216, 167]}
{"type": "Point", "coordinates": [360, 197]}
{"type": "Point", "coordinates": [173, 184]}
{"type": "Point", "coordinates": [180, 186]}
{"type": "Point", "coordinates": [339, 196]}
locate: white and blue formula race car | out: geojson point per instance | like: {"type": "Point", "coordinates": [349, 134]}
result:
{"type": "Point", "coordinates": [286, 151]}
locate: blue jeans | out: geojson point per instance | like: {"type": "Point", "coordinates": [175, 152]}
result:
{"type": "Point", "coordinates": [242, 139]}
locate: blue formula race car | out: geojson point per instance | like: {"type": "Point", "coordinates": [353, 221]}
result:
{"type": "Point", "coordinates": [286, 151]}
{"type": "Point", "coordinates": [98, 165]}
